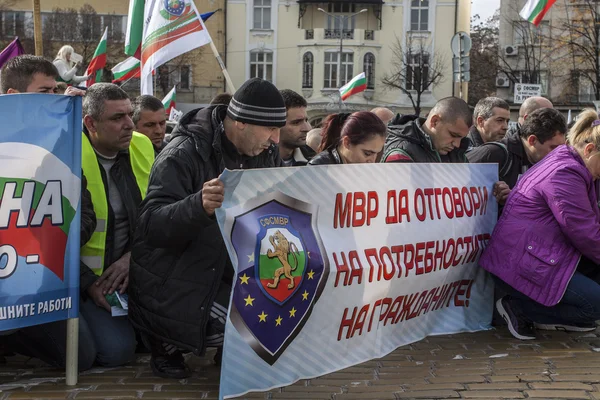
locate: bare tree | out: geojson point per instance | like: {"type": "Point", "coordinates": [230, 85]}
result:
{"type": "Point", "coordinates": [414, 71]}
{"type": "Point", "coordinates": [484, 58]}
{"type": "Point", "coordinates": [578, 42]}
{"type": "Point", "coordinates": [533, 53]}
{"type": "Point", "coordinates": [85, 28]}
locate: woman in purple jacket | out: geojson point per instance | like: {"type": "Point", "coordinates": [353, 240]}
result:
{"type": "Point", "coordinates": [545, 249]}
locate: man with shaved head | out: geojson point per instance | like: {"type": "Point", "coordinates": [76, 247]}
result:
{"type": "Point", "coordinates": [532, 104]}
{"type": "Point", "coordinates": [439, 138]}
{"type": "Point", "coordinates": [384, 114]}
{"type": "Point", "coordinates": [313, 138]}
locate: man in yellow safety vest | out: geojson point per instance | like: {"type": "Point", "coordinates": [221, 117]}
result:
{"type": "Point", "coordinates": [116, 162]}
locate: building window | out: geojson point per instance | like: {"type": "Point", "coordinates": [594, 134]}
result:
{"type": "Point", "coordinates": [417, 72]}
{"type": "Point", "coordinates": [261, 65]}
{"type": "Point", "coordinates": [527, 33]}
{"type": "Point", "coordinates": [173, 75]}
{"type": "Point", "coordinates": [331, 69]}
{"type": "Point", "coordinates": [262, 14]}
{"type": "Point", "coordinates": [419, 15]}
{"type": "Point", "coordinates": [116, 26]}
{"type": "Point", "coordinates": [585, 87]}
{"type": "Point", "coordinates": [184, 77]}
{"type": "Point", "coordinates": [307, 70]}
{"type": "Point", "coordinates": [343, 24]}
{"type": "Point", "coordinates": [13, 24]}
{"type": "Point", "coordinates": [91, 27]}
{"type": "Point", "coordinates": [369, 69]}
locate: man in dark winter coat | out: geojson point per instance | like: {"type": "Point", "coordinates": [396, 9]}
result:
{"type": "Point", "coordinates": [181, 275]}
{"type": "Point", "coordinates": [439, 138]}
{"type": "Point", "coordinates": [543, 131]}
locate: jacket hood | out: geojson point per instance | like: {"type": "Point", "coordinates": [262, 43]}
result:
{"type": "Point", "coordinates": [402, 119]}
{"type": "Point", "coordinates": [411, 131]}
{"type": "Point", "coordinates": [408, 127]}
{"type": "Point", "coordinates": [201, 125]}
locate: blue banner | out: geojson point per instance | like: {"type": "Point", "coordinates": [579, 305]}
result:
{"type": "Point", "coordinates": [40, 190]}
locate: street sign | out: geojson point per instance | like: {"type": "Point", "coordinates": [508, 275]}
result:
{"type": "Point", "coordinates": [460, 44]}
{"type": "Point", "coordinates": [523, 91]}
{"type": "Point", "coordinates": [461, 67]}
{"type": "Point", "coordinates": [462, 77]}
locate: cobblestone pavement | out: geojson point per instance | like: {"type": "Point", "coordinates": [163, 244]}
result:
{"type": "Point", "coordinates": [483, 365]}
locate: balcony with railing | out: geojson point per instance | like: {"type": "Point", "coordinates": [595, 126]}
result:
{"type": "Point", "coordinates": [336, 33]}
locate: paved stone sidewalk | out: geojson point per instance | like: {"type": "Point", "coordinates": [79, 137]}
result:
{"type": "Point", "coordinates": [483, 365]}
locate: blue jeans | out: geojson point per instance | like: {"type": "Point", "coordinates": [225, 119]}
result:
{"type": "Point", "coordinates": [104, 340]}
{"type": "Point", "coordinates": [579, 305]}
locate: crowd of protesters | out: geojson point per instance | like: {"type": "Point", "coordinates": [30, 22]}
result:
{"type": "Point", "coordinates": [148, 224]}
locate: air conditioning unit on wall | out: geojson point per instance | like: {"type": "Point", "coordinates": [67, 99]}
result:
{"type": "Point", "coordinates": [511, 51]}
{"type": "Point", "coordinates": [502, 81]}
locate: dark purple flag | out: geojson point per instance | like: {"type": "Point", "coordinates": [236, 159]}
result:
{"type": "Point", "coordinates": [12, 50]}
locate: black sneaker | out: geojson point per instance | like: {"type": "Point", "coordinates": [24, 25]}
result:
{"type": "Point", "coordinates": [567, 328]}
{"type": "Point", "coordinates": [171, 366]}
{"type": "Point", "coordinates": [218, 356]}
{"type": "Point", "coordinates": [520, 327]}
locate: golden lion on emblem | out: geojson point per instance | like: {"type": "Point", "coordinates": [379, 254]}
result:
{"type": "Point", "coordinates": [282, 250]}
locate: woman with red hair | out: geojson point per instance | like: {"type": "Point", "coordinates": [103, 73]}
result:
{"type": "Point", "coordinates": [351, 139]}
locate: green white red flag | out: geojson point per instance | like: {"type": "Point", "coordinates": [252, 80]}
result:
{"type": "Point", "coordinates": [535, 10]}
{"type": "Point", "coordinates": [135, 29]}
{"type": "Point", "coordinates": [126, 70]}
{"type": "Point", "coordinates": [94, 69]}
{"type": "Point", "coordinates": [170, 101]}
{"type": "Point", "coordinates": [171, 28]}
{"type": "Point", "coordinates": [356, 85]}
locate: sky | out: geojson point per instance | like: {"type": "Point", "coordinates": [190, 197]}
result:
{"type": "Point", "coordinates": [485, 8]}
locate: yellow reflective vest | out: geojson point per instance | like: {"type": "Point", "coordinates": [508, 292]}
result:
{"type": "Point", "coordinates": [141, 155]}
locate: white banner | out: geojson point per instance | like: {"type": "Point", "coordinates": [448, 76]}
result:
{"type": "Point", "coordinates": [523, 91]}
{"type": "Point", "coordinates": [336, 265]}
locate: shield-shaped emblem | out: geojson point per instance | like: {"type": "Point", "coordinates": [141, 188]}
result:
{"type": "Point", "coordinates": [280, 259]}
{"type": "Point", "coordinates": [282, 270]}
{"type": "Point", "coordinates": [175, 7]}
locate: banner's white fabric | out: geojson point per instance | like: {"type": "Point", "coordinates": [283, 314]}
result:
{"type": "Point", "coordinates": [340, 264]}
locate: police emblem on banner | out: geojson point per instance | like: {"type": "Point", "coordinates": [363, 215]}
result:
{"type": "Point", "coordinates": [175, 7]}
{"type": "Point", "coordinates": [282, 269]}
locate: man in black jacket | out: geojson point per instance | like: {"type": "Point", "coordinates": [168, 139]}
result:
{"type": "Point", "coordinates": [293, 149]}
{"type": "Point", "coordinates": [181, 275]}
{"type": "Point", "coordinates": [439, 138]}
{"type": "Point", "coordinates": [542, 131]}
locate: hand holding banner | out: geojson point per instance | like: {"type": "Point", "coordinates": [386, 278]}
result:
{"type": "Point", "coordinates": [336, 265]}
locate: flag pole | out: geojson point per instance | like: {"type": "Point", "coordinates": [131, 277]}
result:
{"type": "Point", "coordinates": [37, 28]}
{"type": "Point", "coordinates": [228, 80]}
{"type": "Point", "coordinates": [223, 68]}
{"type": "Point", "coordinates": [72, 358]}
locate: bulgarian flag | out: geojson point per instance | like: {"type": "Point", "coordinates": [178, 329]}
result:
{"type": "Point", "coordinates": [535, 10]}
{"type": "Point", "coordinates": [98, 61]}
{"type": "Point", "coordinates": [126, 70]}
{"type": "Point", "coordinates": [135, 29]}
{"type": "Point", "coordinates": [356, 85]}
{"type": "Point", "coordinates": [169, 101]}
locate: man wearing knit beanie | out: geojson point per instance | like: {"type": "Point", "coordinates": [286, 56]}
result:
{"type": "Point", "coordinates": [180, 274]}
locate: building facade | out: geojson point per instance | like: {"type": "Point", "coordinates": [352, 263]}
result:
{"type": "Point", "coordinates": [296, 45]}
{"type": "Point", "coordinates": [196, 74]}
{"type": "Point", "coordinates": [561, 54]}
